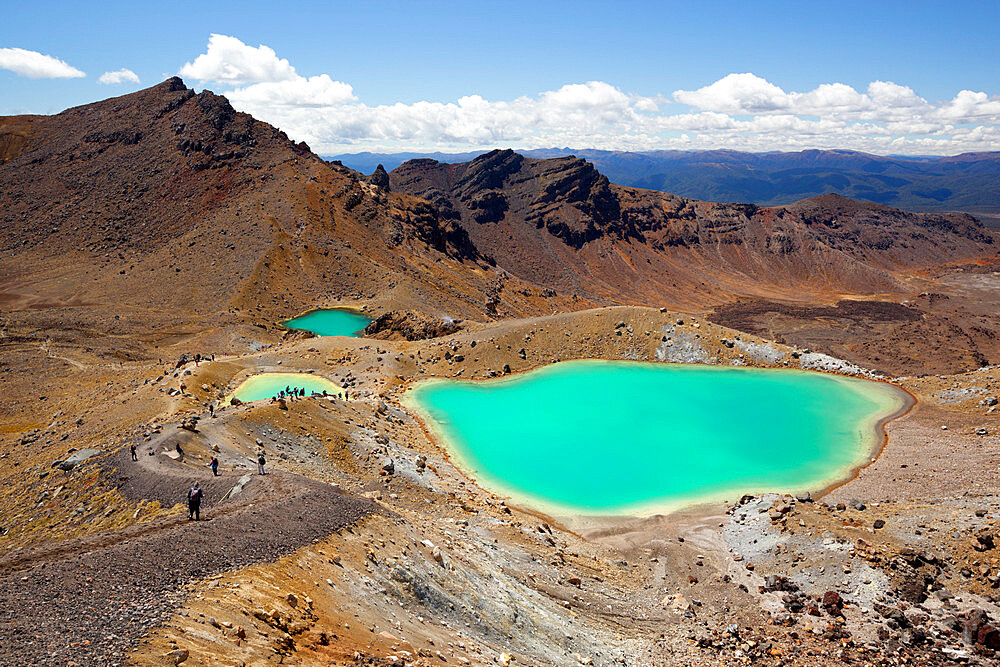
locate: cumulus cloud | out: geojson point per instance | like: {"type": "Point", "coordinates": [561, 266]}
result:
{"type": "Point", "coordinates": [741, 111]}
{"type": "Point", "coordinates": [316, 91]}
{"type": "Point", "coordinates": [228, 60]}
{"type": "Point", "coordinates": [35, 65]}
{"type": "Point", "coordinates": [118, 76]}
{"type": "Point", "coordinates": [737, 93]}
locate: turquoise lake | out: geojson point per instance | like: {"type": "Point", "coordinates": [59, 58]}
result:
{"type": "Point", "coordinates": [330, 322]}
{"type": "Point", "coordinates": [600, 437]}
{"type": "Point", "coordinates": [267, 385]}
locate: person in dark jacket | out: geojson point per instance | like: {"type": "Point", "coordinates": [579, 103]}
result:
{"type": "Point", "coordinates": [135, 457]}
{"type": "Point", "coordinates": [195, 495]}
{"type": "Point", "coordinates": [214, 465]}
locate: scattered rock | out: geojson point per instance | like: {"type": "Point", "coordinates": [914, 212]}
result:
{"type": "Point", "coordinates": [833, 603]}
{"type": "Point", "coordinates": [76, 458]}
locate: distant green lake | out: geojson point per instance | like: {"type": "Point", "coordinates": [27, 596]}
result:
{"type": "Point", "coordinates": [330, 322]}
{"type": "Point", "coordinates": [267, 385]}
{"type": "Point", "coordinates": [601, 437]}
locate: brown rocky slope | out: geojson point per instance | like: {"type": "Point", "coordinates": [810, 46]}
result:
{"type": "Point", "coordinates": [560, 223]}
{"type": "Point", "coordinates": [165, 222]}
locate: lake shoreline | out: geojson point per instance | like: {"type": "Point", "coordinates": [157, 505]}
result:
{"type": "Point", "coordinates": [695, 504]}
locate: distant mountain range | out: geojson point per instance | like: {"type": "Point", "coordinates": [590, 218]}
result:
{"type": "Point", "coordinates": [967, 182]}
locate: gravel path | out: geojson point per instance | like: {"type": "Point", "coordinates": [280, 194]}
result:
{"type": "Point", "coordinates": [86, 601]}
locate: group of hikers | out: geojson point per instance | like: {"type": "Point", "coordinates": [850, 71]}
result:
{"type": "Point", "coordinates": [196, 494]}
{"type": "Point", "coordinates": [292, 393]}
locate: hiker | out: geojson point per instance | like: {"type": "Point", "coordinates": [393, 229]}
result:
{"type": "Point", "coordinates": [135, 457]}
{"type": "Point", "coordinates": [195, 494]}
{"type": "Point", "coordinates": [214, 464]}
{"type": "Point", "coordinates": [260, 463]}
{"type": "Point", "coordinates": [211, 409]}
{"type": "Point", "coordinates": [183, 387]}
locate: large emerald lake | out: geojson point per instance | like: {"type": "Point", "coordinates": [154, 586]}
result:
{"type": "Point", "coordinates": [599, 437]}
{"type": "Point", "coordinates": [330, 322]}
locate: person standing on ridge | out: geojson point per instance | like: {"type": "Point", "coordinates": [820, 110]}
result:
{"type": "Point", "coordinates": [131, 448]}
{"type": "Point", "coordinates": [195, 495]}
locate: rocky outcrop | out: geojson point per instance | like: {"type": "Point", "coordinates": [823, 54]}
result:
{"type": "Point", "coordinates": [380, 178]}
{"type": "Point", "coordinates": [410, 326]}
{"type": "Point", "coordinates": [535, 217]}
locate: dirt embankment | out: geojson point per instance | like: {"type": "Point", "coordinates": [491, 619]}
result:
{"type": "Point", "coordinates": [88, 601]}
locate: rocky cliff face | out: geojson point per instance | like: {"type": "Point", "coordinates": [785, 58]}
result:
{"type": "Point", "coordinates": [561, 223]}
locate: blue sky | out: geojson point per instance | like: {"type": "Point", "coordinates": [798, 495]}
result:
{"type": "Point", "coordinates": [407, 66]}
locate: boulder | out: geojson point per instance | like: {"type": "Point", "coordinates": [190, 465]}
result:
{"type": "Point", "coordinates": [989, 636]}
{"type": "Point", "coordinates": [76, 458]}
{"type": "Point", "coordinates": [974, 621]}
{"type": "Point", "coordinates": [833, 603]}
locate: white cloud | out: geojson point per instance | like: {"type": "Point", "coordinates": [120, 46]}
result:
{"type": "Point", "coordinates": [35, 65]}
{"type": "Point", "coordinates": [739, 111]}
{"type": "Point", "coordinates": [228, 60]}
{"type": "Point", "coordinates": [737, 94]}
{"type": "Point", "coordinates": [118, 76]}
{"type": "Point", "coordinates": [316, 91]}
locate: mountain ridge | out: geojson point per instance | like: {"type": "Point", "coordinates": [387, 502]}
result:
{"type": "Point", "coordinates": [170, 198]}
{"type": "Point", "coordinates": [597, 235]}
{"type": "Point", "coordinates": [964, 182]}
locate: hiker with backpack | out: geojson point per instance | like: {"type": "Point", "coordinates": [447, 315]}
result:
{"type": "Point", "coordinates": [195, 495]}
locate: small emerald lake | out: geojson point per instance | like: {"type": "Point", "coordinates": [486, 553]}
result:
{"type": "Point", "coordinates": [330, 322]}
{"type": "Point", "coordinates": [269, 385]}
{"type": "Point", "coordinates": [601, 437]}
